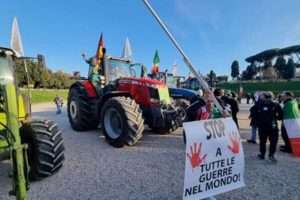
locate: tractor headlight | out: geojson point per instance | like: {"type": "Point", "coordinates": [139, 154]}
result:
{"type": "Point", "coordinates": [154, 96]}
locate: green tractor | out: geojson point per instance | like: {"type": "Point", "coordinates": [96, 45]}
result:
{"type": "Point", "coordinates": [34, 147]}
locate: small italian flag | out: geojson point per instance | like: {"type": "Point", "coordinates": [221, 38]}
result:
{"type": "Point", "coordinates": [291, 122]}
{"type": "Point", "coordinates": [156, 61]}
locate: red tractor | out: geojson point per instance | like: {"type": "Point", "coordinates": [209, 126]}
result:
{"type": "Point", "coordinates": [122, 101]}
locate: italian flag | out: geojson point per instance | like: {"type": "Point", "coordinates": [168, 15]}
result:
{"type": "Point", "coordinates": [156, 61]}
{"type": "Point", "coordinates": [291, 122]}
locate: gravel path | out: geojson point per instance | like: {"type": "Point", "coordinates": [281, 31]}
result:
{"type": "Point", "coordinates": [151, 170]}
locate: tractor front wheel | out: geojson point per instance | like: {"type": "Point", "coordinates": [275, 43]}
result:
{"type": "Point", "coordinates": [122, 121]}
{"type": "Point", "coordinates": [45, 148]}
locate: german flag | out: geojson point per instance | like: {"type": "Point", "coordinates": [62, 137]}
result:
{"type": "Point", "coordinates": [100, 50]}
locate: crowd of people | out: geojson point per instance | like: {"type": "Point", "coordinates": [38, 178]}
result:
{"type": "Point", "coordinates": [227, 100]}
{"type": "Point", "coordinates": [265, 115]}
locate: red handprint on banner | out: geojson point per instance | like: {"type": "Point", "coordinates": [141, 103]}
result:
{"type": "Point", "coordinates": [195, 155]}
{"type": "Point", "coordinates": [235, 143]}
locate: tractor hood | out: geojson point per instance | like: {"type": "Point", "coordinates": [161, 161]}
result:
{"type": "Point", "coordinates": [142, 81]}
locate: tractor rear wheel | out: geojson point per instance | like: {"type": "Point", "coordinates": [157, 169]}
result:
{"type": "Point", "coordinates": [45, 148]}
{"type": "Point", "coordinates": [182, 105]}
{"type": "Point", "coordinates": [122, 121]}
{"type": "Point", "coordinates": [82, 110]}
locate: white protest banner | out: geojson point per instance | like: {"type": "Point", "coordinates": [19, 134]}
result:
{"type": "Point", "coordinates": [214, 158]}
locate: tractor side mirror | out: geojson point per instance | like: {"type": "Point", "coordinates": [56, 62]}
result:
{"type": "Point", "coordinates": [143, 71]}
{"type": "Point", "coordinates": [41, 60]}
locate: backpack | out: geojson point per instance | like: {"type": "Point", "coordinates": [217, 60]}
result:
{"type": "Point", "coordinates": [267, 115]}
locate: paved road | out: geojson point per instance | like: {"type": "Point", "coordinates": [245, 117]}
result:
{"type": "Point", "coordinates": [151, 170]}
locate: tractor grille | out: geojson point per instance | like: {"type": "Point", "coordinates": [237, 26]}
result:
{"type": "Point", "coordinates": [153, 93]}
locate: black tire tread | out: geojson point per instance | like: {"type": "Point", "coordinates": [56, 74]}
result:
{"type": "Point", "coordinates": [134, 121]}
{"type": "Point", "coordinates": [89, 118]}
{"type": "Point", "coordinates": [46, 145]}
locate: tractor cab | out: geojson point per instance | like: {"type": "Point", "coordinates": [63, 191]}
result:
{"type": "Point", "coordinates": [7, 77]}
{"type": "Point", "coordinates": [116, 68]}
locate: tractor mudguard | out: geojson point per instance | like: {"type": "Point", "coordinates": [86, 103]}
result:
{"type": "Point", "coordinates": [111, 94]}
{"type": "Point", "coordinates": [22, 111]}
{"type": "Point", "coordinates": [88, 86]}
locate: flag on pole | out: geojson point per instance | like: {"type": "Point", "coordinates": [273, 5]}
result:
{"type": "Point", "coordinates": [156, 61]}
{"type": "Point", "coordinates": [100, 50]}
{"type": "Point", "coordinates": [291, 121]}
{"type": "Point", "coordinates": [127, 52]}
{"type": "Point", "coordinates": [16, 41]}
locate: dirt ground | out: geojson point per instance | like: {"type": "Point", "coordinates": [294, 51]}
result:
{"type": "Point", "coordinates": [153, 169]}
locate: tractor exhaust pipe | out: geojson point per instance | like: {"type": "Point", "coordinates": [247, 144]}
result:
{"type": "Point", "coordinates": [186, 59]}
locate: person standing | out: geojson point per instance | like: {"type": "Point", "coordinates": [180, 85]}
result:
{"type": "Point", "coordinates": [248, 96]}
{"type": "Point", "coordinates": [219, 93]}
{"type": "Point", "coordinates": [234, 106]}
{"type": "Point", "coordinates": [253, 124]}
{"type": "Point", "coordinates": [268, 113]}
{"type": "Point", "coordinates": [228, 103]}
{"type": "Point", "coordinates": [59, 103]}
{"type": "Point", "coordinates": [253, 119]}
{"type": "Point", "coordinates": [290, 109]}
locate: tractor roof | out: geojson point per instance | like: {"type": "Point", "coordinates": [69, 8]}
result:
{"type": "Point", "coordinates": [7, 51]}
{"type": "Point", "coordinates": [118, 58]}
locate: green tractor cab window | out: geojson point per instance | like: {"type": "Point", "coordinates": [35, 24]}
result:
{"type": "Point", "coordinates": [6, 71]}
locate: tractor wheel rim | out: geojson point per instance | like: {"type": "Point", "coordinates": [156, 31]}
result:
{"type": "Point", "coordinates": [73, 109]}
{"type": "Point", "coordinates": [113, 123]}
{"type": "Point", "coordinates": [182, 114]}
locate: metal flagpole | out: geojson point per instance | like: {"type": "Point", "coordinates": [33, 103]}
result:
{"type": "Point", "coordinates": [28, 87]}
{"type": "Point", "coordinates": [185, 58]}
{"type": "Point", "coordinates": [188, 62]}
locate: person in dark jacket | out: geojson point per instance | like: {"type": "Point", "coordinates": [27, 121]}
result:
{"type": "Point", "coordinates": [248, 97]}
{"type": "Point", "coordinates": [234, 106]}
{"type": "Point", "coordinates": [219, 93]}
{"type": "Point", "coordinates": [229, 104]}
{"type": "Point", "coordinates": [268, 113]}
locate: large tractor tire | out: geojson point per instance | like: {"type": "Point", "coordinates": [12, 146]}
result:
{"type": "Point", "coordinates": [45, 148]}
{"type": "Point", "coordinates": [122, 121]}
{"type": "Point", "coordinates": [82, 110]}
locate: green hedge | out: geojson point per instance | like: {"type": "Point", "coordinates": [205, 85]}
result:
{"type": "Point", "coordinates": [274, 86]}
{"type": "Point", "coordinates": [42, 96]}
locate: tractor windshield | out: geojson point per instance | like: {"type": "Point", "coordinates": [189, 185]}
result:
{"type": "Point", "coordinates": [120, 69]}
{"type": "Point", "coordinates": [6, 69]}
